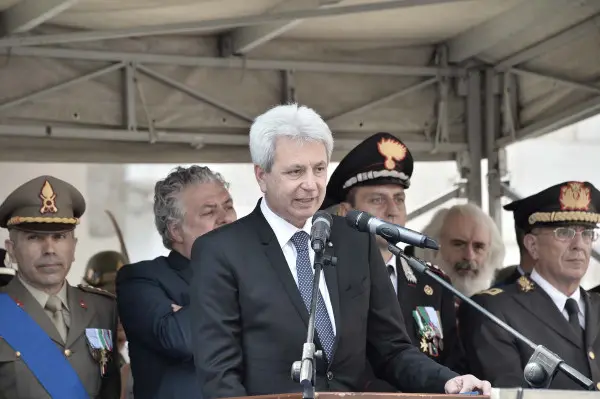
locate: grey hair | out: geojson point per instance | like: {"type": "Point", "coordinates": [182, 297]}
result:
{"type": "Point", "coordinates": [292, 121]}
{"type": "Point", "coordinates": [434, 229]}
{"type": "Point", "coordinates": [168, 210]}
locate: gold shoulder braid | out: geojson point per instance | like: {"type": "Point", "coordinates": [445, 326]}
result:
{"type": "Point", "coordinates": [491, 291]}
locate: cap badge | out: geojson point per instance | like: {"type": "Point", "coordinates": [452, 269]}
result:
{"type": "Point", "coordinates": [574, 196]}
{"type": "Point", "coordinates": [48, 199]}
{"type": "Point", "coordinates": [392, 150]}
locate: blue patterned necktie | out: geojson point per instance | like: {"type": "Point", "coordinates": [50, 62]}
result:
{"type": "Point", "coordinates": [305, 280]}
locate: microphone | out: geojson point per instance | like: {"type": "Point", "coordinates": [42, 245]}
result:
{"type": "Point", "coordinates": [393, 233]}
{"type": "Point", "coordinates": [320, 231]}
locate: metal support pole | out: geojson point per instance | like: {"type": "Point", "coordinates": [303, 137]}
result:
{"type": "Point", "coordinates": [192, 93]}
{"type": "Point", "coordinates": [456, 192]}
{"type": "Point", "coordinates": [289, 88]}
{"type": "Point", "coordinates": [474, 133]}
{"type": "Point", "coordinates": [60, 86]}
{"type": "Point", "coordinates": [508, 192]}
{"type": "Point", "coordinates": [492, 129]}
{"type": "Point", "coordinates": [129, 97]}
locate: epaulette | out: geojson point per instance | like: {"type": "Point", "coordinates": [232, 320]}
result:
{"type": "Point", "coordinates": [436, 269]}
{"type": "Point", "coordinates": [491, 291]}
{"type": "Point", "coordinates": [94, 290]}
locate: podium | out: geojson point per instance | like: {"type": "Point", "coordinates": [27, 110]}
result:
{"type": "Point", "coordinates": [497, 393]}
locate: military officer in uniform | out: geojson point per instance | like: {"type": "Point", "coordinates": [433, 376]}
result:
{"type": "Point", "coordinates": [61, 339]}
{"type": "Point", "coordinates": [373, 177]}
{"type": "Point", "coordinates": [549, 307]}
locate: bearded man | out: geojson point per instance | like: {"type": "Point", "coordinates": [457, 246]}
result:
{"type": "Point", "coordinates": [471, 247]}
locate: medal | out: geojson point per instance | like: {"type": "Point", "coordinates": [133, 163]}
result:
{"type": "Point", "coordinates": [430, 330]}
{"type": "Point", "coordinates": [101, 345]}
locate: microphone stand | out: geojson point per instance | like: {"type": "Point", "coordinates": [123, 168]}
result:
{"type": "Point", "coordinates": [542, 365]}
{"type": "Point", "coordinates": [305, 370]}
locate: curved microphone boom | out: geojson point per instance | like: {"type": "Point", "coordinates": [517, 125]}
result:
{"type": "Point", "coordinates": [393, 233]}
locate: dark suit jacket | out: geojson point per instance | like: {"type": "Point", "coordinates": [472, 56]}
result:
{"type": "Point", "coordinates": [506, 276]}
{"type": "Point", "coordinates": [88, 308]}
{"type": "Point", "coordinates": [160, 348]}
{"type": "Point", "coordinates": [496, 356]}
{"type": "Point", "coordinates": [249, 320]}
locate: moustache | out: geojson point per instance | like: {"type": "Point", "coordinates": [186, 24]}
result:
{"type": "Point", "coordinates": [465, 265]}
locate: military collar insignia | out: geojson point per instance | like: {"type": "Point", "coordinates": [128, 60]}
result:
{"type": "Point", "coordinates": [525, 284]}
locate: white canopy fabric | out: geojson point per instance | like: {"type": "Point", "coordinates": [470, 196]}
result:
{"type": "Point", "coordinates": [143, 81]}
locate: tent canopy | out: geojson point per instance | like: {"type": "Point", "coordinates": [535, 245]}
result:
{"type": "Point", "coordinates": [142, 81]}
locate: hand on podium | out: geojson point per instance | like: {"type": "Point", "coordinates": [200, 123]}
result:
{"type": "Point", "coordinates": [467, 383]}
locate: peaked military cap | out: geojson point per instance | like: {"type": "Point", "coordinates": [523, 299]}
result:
{"type": "Point", "coordinates": [569, 202]}
{"type": "Point", "coordinates": [43, 204]}
{"type": "Point", "coordinates": [380, 159]}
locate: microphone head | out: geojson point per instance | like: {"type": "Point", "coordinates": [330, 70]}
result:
{"type": "Point", "coordinates": [323, 215]}
{"type": "Point", "coordinates": [535, 375]}
{"type": "Point", "coordinates": [358, 220]}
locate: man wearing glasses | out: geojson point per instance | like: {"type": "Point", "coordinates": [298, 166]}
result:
{"type": "Point", "coordinates": [547, 306]}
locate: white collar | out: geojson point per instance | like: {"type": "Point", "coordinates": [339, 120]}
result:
{"type": "Point", "coordinates": [283, 229]}
{"type": "Point", "coordinates": [557, 297]}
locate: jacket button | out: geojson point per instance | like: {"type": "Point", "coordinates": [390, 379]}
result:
{"type": "Point", "coordinates": [68, 352]}
{"type": "Point", "coordinates": [591, 355]}
{"type": "Point", "coordinates": [18, 354]}
{"type": "Point", "coordinates": [598, 385]}
{"type": "Point", "coordinates": [329, 375]}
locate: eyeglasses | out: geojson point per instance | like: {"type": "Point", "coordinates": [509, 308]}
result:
{"type": "Point", "coordinates": [568, 233]}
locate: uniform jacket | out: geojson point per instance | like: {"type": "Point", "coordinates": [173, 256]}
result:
{"type": "Point", "coordinates": [89, 308]}
{"type": "Point", "coordinates": [495, 355]}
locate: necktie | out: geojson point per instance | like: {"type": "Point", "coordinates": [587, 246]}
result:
{"type": "Point", "coordinates": [54, 305]}
{"type": "Point", "coordinates": [392, 274]}
{"type": "Point", "coordinates": [573, 311]}
{"type": "Point", "coordinates": [305, 280]}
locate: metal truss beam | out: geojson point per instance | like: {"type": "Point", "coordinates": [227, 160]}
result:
{"type": "Point", "coordinates": [197, 138]}
{"type": "Point", "coordinates": [473, 103]}
{"type": "Point", "coordinates": [60, 86]}
{"type": "Point", "coordinates": [564, 81]}
{"type": "Point", "coordinates": [216, 24]}
{"type": "Point", "coordinates": [588, 27]}
{"type": "Point", "coordinates": [164, 79]}
{"type": "Point", "coordinates": [233, 62]}
{"type": "Point", "coordinates": [510, 23]}
{"type": "Point", "coordinates": [508, 192]}
{"type": "Point", "coordinates": [383, 100]}
{"type": "Point", "coordinates": [27, 14]}
{"type": "Point", "coordinates": [456, 192]}
{"type": "Point", "coordinates": [557, 121]}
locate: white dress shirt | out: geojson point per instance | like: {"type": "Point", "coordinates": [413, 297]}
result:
{"type": "Point", "coordinates": [559, 298]}
{"type": "Point", "coordinates": [393, 276]}
{"type": "Point", "coordinates": [283, 232]}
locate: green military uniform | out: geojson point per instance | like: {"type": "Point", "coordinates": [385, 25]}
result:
{"type": "Point", "coordinates": [48, 205]}
{"type": "Point", "coordinates": [532, 309]}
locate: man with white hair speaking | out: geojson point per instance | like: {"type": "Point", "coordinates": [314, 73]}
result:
{"type": "Point", "coordinates": [471, 247]}
{"type": "Point", "coordinates": [252, 285]}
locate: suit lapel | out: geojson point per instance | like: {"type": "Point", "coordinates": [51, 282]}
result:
{"type": "Point", "coordinates": [278, 262]}
{"type": "Point", "coordinates": [20, 295]}
{"type": "Point", "coordinates": [81, 314]}
{"type": "Point", "coordinates": [592, 318]}
{"type": "Point", "coordinates": [537, 299]}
